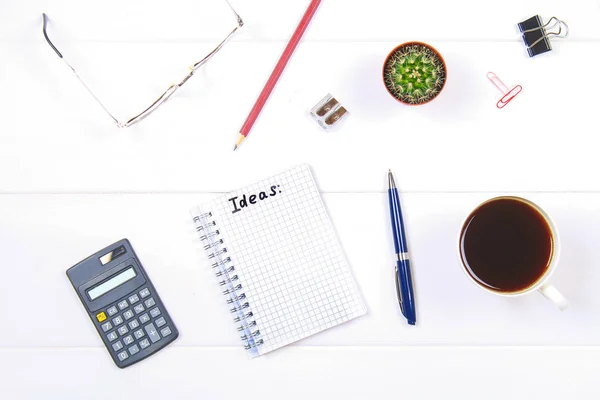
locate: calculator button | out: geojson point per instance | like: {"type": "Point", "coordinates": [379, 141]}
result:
{"type": "Point", "coordinates": [150, 302]}
{"type": "Point", "coordinates": [112, 336]}
{"type": "Point", "coordinates": [138, 309]}
{"type": "Point", "coordinates": [123, 330]}
{"type": "Point", "coordinates": [144, 343]}
{"type": "Point", "coordinates": [133, 299]}
{"type": "Point", "coordinates": [101, 316]}
{"type": "Point", "coordinates": [160, 322]}
{"type": "Point", "coordinates": [123, 304]}
{"type": "Point", "coordinates": [127, 340]}
{"type": "Point", "coordinates": [122, 356]}
{"type": "Point", "coordinates": [133, 324]}
{"type": "Point", "coordinates": [128, 314]}
{"type": "Point", "coordinates": [117, 346]}
{"type": "Point", "coordinates": [152, 332]}
{"type": "Point", "coordinates": [112, 311]}
{"type": "Point", "coordinates": [144, 318]}
{"type": "Point", "coordinates": [138, 334]}
{"type": "Point", "coordinates": [165, 331]}
{"type": "Point", "coordinates": [134, 349]}
{"type": "Point", "coordinates": [145, 293]}
{"type": "Point", "coordinates": [118, 320]}
{"type": "Point", "coordinates": [155, 312]}
{"type": "Point", "coordinates": [106, 326]}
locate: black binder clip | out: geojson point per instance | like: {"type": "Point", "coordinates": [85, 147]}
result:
{"type": "Point", "coordinates": [536, 35]}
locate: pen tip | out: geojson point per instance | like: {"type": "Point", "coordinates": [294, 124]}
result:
{"type": "Point", "coordinates": [391, 181]}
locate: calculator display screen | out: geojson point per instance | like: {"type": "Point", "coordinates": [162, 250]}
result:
{"type": "Point", "coordinates": [112, 283]}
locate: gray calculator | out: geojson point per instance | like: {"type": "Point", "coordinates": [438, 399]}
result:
{"type": "Point", "coordinates": [123, 304]}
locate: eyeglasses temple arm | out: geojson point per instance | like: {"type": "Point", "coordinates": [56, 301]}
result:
{"type": "Point", "coordinates": [45, 22]}
{"type": "Point", "coordinates": [239, 19]}
{"type": "Point", "coordinates": [157, 103]}
{"type": "Point", "coordinates": [165, 96]}
{"type": "Point", "coordinates": [212, 53]}
{"type": "Point", "coordinates": [169, 92]}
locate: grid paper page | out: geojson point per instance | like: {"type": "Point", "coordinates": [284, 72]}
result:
{"type": "Point", "coordinates": [287, 257]}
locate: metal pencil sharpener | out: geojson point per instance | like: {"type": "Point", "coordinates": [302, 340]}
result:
{"type": "Point", "coordinates": [328, 112]}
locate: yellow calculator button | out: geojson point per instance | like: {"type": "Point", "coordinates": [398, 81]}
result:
{"type": "Point", "coordinates": [101, 316]}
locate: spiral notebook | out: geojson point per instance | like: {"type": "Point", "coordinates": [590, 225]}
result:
{"type": "Point", "coordinates": [278, 260]}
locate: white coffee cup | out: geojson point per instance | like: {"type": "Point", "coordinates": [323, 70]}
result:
{"type": "Point", "coordinates": [541, 285]}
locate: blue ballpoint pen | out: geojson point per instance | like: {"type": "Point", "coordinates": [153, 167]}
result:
{"type": "Point", "coordinates": [404, 286]}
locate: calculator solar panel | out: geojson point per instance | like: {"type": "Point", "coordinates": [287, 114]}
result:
{"type": "Point", "coordinates": [123, 304]}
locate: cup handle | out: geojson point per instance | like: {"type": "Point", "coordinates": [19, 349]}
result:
{"type": "Point", "coordinates": [552, 294]}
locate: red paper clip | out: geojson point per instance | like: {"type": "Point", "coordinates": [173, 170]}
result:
{"type": "Point", "coordinates": [508, 94]}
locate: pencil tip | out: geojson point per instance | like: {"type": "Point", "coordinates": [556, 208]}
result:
{"type": "Point", "coordinates": [234, 147]}
{"type": "Point", "coordinates": [239, 141]}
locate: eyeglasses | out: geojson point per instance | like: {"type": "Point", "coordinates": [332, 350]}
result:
{"type": "Point", "coordinates": [163, 97]}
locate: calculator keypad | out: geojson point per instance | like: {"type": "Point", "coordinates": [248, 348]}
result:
{"type": "Point", "coordinates": [128, 314]}
{"type": "Point", "coordinates": [166, 331]}
{"type": "Point", "coordinates": [155, 312]}
{"type": "Point", "coordinates": [106, 326]}
{"type": "Point", "coordinates": [144, 324]}
{"type": "Point", "coordinates": [134, 349]}
{"type": "Point", "coordinates": [112, 311]}
{"type": "Point", "coordinates": [101, 316]}
{"type": "Point", "coordinates": [152, 332]}
{"type": "Point", "coordinates": [150, 302]}
{"type": "Point", "coordinates": [128, 340]}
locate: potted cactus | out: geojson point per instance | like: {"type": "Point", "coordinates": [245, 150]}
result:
{"type": "Point", "coordinates": [414, 73]}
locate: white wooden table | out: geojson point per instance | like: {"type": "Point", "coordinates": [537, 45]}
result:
{"type": "Point", "coordinates": [72, 183]}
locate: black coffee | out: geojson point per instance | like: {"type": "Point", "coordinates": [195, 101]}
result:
{"type": "Point", "coordinates": [506, 245]}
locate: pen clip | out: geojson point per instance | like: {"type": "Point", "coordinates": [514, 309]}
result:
{"type": "Point", "coordinates": [398, 293]}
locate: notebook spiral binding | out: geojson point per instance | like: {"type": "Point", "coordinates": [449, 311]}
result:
{"type": "Point", "coordinates": [233, 289]}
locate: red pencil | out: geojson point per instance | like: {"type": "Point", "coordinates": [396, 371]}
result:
{"type": "Point", "coordinates": [283, 60]}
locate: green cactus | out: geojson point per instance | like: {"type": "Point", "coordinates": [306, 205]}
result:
{"type": "Point", "coordinates": [414, 73]}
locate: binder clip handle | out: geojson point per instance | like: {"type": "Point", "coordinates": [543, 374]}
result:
{"type": "Point", "coordinates": [508, 94]}
{"type": "Point", "coordinates": [537, 35]}
{"type": "Point", "coordinates": [551, 24]}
